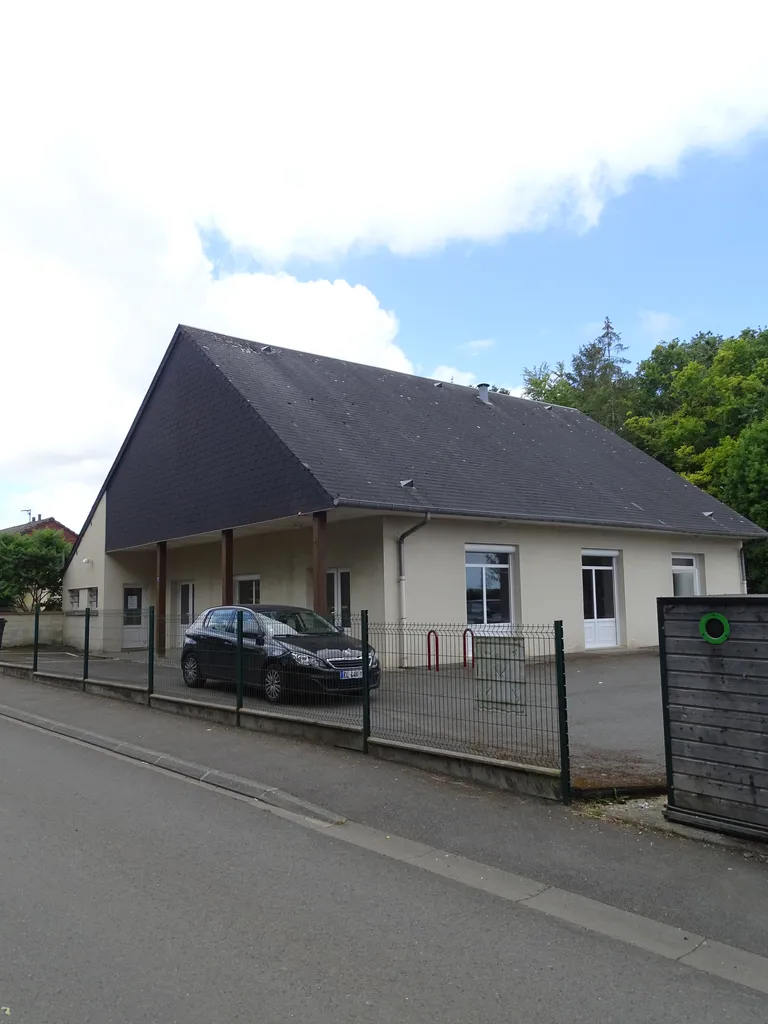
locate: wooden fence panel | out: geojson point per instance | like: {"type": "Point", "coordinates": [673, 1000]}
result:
{"type": "Point", "coordinates": [715, 697]}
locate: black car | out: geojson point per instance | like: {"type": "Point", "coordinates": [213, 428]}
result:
{"type": "Point", "coordinates": [286, 651]}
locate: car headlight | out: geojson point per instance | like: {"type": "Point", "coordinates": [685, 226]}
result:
{"type": "Point", "coordinates": [373, 659]}
{"type": "Point", "coordinates": [303, 658]}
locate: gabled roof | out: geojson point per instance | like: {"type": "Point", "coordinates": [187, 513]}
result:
{"type": "Point", "coordinates": [41, 524]}
{"type": "Point", "coordinates": [379, 439]}
{"type": "Point", "coordinates": [324, 432]}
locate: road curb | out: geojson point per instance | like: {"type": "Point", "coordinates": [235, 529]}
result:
{"type": "Point", "coordinates": [202, 773]}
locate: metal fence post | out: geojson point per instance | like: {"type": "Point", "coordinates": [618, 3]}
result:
{"type": "Point", "coordinates": [37, 638]}
{"type": "Point", "coordinates": [366, 680]}
{"type": "Point", "coordinates": [86, 644]}
{"type": "Point", "coordinates": [151, 653]}
{"type": "Point", "coordinates": [239, 697]}
{"type": "Point", "coordinates": [562, 714]}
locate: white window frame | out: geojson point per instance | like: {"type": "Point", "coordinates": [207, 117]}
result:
{"type": "Point", "coordinates": [336, 572]}
{"type": "Point", "coordinates": [498, 549]}
{"type": "Point", "coordinates": [93, 598]}
{"type": "Point", "coordinates": [74, 599]}
{"type": "Point", "coordinates": [192, 604]}
{"type": "Point", "coordinates": [695, 567]}
{"type": "Point", "coordinates": [250, 577]}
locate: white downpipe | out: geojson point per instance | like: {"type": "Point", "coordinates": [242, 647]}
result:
{"type": "Point", "coordinates": [403, 616]}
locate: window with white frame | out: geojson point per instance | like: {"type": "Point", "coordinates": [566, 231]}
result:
{"type": "Point", "coordinates": [687, 575]}
{"type": "Point", "coordinates": [338, 593]}
{"type": "Point", "coordinates": [488, 583]}
{"type": "Point", "coordinates": [93, 598]}
{"type": "Point", "coordinates": [248, 589]}
{"type": "Point", "coordinates": [74, 600]}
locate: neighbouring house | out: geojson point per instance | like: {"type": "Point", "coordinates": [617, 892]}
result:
{"type": "Point", "coordinates": [253, 473]}
{"type": "Point", "coordinates": [39, 523]}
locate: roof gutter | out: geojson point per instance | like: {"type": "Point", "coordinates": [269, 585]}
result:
{"type": "Point", "coordinates": [385, 506]}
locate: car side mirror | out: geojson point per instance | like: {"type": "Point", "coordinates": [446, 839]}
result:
{"type": "Point", "coordinates": [254, 634]}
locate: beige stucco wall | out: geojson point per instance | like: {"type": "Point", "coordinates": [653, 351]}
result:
{"type": "Point", "coordinates": [86, 570]}
{"type": "Point", "coordinates": [548, 585]}
{"type": "Point", "coordinates": [282, 560]}
{"type": "Point", "coordinates": [20, 629]}
{"type": "Point", "coordinates": [549, 559]}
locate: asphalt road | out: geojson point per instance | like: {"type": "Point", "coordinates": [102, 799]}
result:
{"type": "Point", "coordinates": [128, 895]}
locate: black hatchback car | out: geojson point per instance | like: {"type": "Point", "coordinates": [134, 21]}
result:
{"type": "Point", "coordinates": [287, 651]}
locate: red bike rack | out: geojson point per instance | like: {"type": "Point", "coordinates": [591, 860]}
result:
{"type": "Point", "coordinates": [430, 634]}
{"type": "Point", "coordinates": [468, 632]}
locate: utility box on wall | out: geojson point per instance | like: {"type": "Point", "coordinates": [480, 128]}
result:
{"type": "Point", "coordinates": [714, 679]}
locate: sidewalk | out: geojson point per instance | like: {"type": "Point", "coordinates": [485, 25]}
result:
{"type": "Point", "coordinates": [711, 890]}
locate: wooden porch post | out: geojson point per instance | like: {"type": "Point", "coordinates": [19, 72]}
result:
{"type": "Point", "coordinates": [319, 563]}
{"type": "Point", "coordinates": [162, 586]}
{"type": "Point", "coordinates": [227, 567]}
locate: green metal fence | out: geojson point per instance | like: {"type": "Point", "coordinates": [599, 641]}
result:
{"type": "Point", "coordinates": [493, 692]}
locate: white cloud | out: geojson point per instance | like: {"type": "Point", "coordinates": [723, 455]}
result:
{"type": "Point", "coordinates": [480, 345]}
{"type": "Point", "coordinates": [308, 128]}
{"type": "Point", "coordinates": [302, 129]}
{"type": "Point", "coordinates": [453, 376]}
{"type": "Point", "coordinates": [659, 326]}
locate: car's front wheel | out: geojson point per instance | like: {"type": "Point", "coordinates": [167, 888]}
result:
{"type": "Point", "coordinates": [190, 669]}
{"type": "Point", "coordinates": [274, 688]}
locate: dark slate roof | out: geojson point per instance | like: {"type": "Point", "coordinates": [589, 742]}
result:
{"type": "Point", "coordinates": [362, 431]}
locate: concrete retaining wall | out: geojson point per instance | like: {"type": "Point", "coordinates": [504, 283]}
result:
{"type": "Point", "coordinates": [523, 779]}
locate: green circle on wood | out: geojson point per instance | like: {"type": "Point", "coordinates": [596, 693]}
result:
{"type": "Point", "coordinates": [714, 628]}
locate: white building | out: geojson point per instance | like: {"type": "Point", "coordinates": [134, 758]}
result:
{"type": "Point", "coordinates": [254, 474]}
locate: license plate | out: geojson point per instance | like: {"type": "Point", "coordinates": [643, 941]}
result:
{"type": "Point", "coordinates": [352, 673]}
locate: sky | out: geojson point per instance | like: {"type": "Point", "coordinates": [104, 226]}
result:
{"type": "Point", "coordinates": [456, 190]}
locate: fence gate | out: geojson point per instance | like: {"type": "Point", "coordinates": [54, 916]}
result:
{"type": "Point", "coordinates": [714, 679]}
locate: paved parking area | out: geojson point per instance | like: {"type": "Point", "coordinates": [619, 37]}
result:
{"type": "Point", "coordinates": [614, 707]}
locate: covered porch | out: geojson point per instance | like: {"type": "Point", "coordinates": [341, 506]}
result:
{"type": "Point", "coordinates": [330, 561]}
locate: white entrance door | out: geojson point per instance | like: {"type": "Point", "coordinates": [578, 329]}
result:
{"type": "Point", "coordinates": [186, 611]}
{"type": "Point", "coordinates": [338, 592]}
{"type": "Point", "coordinates": [598, 573]}
{"type": "Point", "coordinates": [134, 620]}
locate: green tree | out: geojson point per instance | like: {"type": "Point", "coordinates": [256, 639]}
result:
{"type": "Point", "coordinates": [32, 569]}
{"type": "Point", "coordinates": [742, 483]}
{"type": "Point", "coordinates": [596, 383]}
{"type": "Point", "coordinates": [544, 383]}
{"type": "Point", "coordinates": [699, 406]}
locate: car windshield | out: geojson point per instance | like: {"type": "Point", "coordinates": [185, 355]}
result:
{"type": "Point", "coordinates": [300, 620]}
{"type": "Point", "coordinates": [271, 627]}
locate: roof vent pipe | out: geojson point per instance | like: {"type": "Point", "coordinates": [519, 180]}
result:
{"type": "Point", "coordinates": [482, 393]}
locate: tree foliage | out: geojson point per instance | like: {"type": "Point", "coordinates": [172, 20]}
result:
{"type": "Point", "coordinates": [699, 406]}
{"type": "Point", "coordinates": [32, 569]}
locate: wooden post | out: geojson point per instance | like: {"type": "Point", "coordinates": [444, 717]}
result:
{"type": "Point", "coordinates": [162, 587]}
{"type": "Point", "coordinates": [227, 567]}
{"type": "Point", "coordinates": [319, 563]}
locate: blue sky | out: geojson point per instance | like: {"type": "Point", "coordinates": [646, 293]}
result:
{"type": "Point", "coordinates": [670, 257]}
{"type": "Point", "coordinates": [388, 182]}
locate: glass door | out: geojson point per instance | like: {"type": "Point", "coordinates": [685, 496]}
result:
{"type": "Point", "coordinates": [185, 612]}
{"type": "Point", "coordinates": [339, 597]}
{"type": "Point", "coordinates": [134, 626]}
{"type": "Point", "coordinates": [598, 576]}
